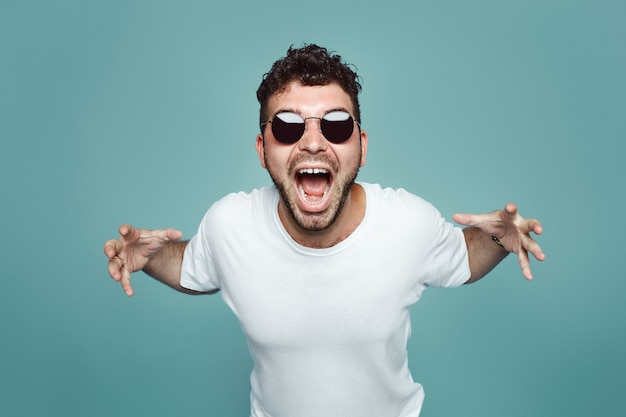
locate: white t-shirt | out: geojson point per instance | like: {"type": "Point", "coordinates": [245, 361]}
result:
{"type": "Point", "coordinates": [327, 328]}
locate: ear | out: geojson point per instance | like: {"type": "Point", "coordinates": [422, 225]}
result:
{"type": "Point", "coordinates": [363, 147]}
{"type": "Point", "coordinates": [260, 149]}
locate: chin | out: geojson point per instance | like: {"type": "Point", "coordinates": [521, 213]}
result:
{"type": "Point", "coordinates": [315, 222]}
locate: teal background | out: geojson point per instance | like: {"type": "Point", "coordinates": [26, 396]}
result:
{"type": "Point", "coordinates": [145, 112]}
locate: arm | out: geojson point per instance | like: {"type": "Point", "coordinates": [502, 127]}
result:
{"type": "Point", "coordinates": [159, 253]}
{"type": "Point", "coordinates": [511, 230]}
{"type": "Point", "coordinates": [484, 254]}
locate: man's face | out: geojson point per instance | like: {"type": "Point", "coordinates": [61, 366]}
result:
{"type": "Point", "coordinates": [313, 176]}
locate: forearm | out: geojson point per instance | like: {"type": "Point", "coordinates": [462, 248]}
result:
{"type": "Point", "coordinates": [166, 265]}
{"type": "Point", "coordinates": [484, 254]}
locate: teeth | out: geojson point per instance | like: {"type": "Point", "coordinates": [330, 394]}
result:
{"type": "Point", "coordinates": [313, 171]}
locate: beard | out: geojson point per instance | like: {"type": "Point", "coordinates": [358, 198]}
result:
{"type": "Point", "coordinates": [315, 222]}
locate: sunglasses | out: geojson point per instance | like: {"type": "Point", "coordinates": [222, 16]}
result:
{"type": "Point", "coordinates": [288, 127]}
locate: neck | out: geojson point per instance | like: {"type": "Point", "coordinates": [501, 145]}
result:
{"type": "Point", "coordinates": [346, 222]}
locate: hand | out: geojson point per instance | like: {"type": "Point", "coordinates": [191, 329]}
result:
{"type": "Point", "coordinates": [133, 250]}
{"type": "Point", "coordinates": [512, 230]}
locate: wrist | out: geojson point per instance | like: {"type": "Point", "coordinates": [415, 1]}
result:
{"type": "Point", "coordinates": [495, 239]}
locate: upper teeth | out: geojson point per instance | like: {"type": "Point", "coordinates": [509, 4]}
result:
{"type": "Point", "coordinates": [313, 171]}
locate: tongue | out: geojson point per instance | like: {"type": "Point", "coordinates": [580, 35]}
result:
{"type": "Point", "coordinates": [313, 185]}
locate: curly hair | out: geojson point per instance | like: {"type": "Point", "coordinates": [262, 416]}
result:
{"type": "Point", "coordinates": [310, 65]}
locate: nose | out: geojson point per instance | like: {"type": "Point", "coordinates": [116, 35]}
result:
{"type": "Point", "coordinates": [312, 140]}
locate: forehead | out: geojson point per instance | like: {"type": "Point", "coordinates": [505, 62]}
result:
{"type": "Point", "coordinates": [310, 100]}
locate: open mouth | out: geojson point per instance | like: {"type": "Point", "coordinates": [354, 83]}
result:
{"type": "Point", "coordinates": [313, 186]}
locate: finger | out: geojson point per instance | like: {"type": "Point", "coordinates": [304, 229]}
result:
{"type": "Point", "coordinates": [172, 234]}
{"type": "Point", "coordinates": [114, 268]}
{"type": "Point", "coordinates": [112, 248]}
{"type": "Point", "coordinates": [524, 263]}
{"type": "Point", "coordinates": [163, 234]}
{"type": "Point", "coordinates": [127, 231]}
{"type": "Point", "coordinates": [468, 219]}
{"type": "Point", "coordinates": [463, 219]}
{"type": "Point", "coordinates": [535, 226]}
{"type": "Point", "coordinates": [533, 247]}
{"type": "Point", "coordinates": [125, 281]}
{"type": "Point", "coordinates": [131, 233]}
{"type": "Point", "coordinates": [511, 209]}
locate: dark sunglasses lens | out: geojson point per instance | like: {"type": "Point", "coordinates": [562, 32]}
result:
{"type": "Point", "coordinates": [287, 131]}
{"type": "Point", "coordinates": [337, 127]}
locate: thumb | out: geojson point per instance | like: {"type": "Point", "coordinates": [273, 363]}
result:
{"type": "Point", "coordinates": [169, 234]}
{"type": "Point", "coordinates": [464, 219]}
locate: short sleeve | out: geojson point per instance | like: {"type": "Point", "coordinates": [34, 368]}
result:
{"type": "Point", "coordinates": [198, 270]}
{"type": "Point", "coordinates": [450, 267]}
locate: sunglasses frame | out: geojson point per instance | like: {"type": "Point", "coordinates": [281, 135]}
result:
{"type": "Point", "coordinates": [303, 123]}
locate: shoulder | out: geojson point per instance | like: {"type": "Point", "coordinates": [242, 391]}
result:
{"type": "Point", "coordinates": [402, 211]}
{"type": "Point", "coordinates": [242, 206]}
{"type": "Point", "coordinates": [396, 199]}
{"type": "Point", "coordinates": [246, 199]}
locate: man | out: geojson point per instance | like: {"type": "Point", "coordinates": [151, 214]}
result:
{"type": "Point", "coordinates": [319, 269]}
